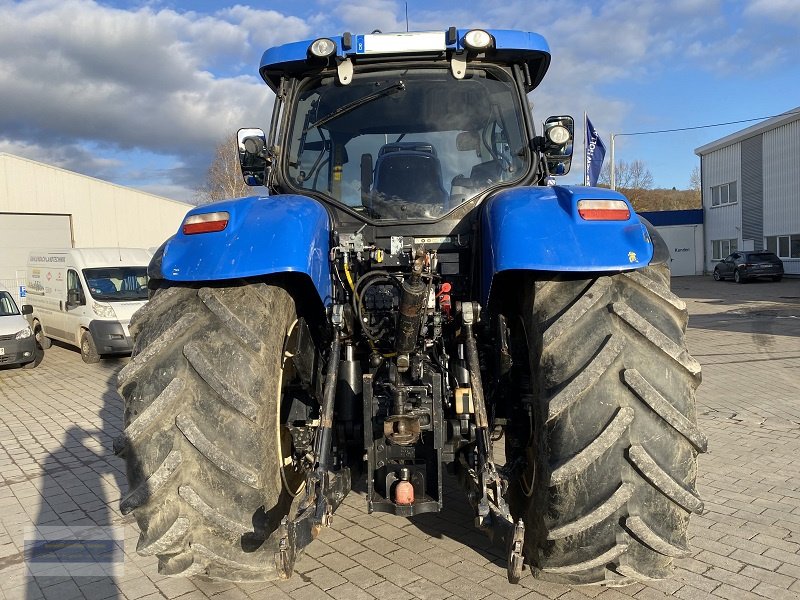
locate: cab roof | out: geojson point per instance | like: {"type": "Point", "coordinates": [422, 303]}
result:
{"type": "Point", "coordinates": [510, 47]}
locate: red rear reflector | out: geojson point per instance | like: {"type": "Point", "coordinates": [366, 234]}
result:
{"type": "Point", "coordinates": [603, 210]}
{"type": "Point", "coordinates": [206, 223]}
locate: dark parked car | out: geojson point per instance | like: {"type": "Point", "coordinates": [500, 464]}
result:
{"type": "Point", "coordinates": [743, 265]}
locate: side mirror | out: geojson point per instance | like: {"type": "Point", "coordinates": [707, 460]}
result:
{"type": "Point", "coordinates": [74, 298]}
{"type": "Point", "coordinates": [253, 155]}
{"type": "Point", "coordinates": [27, 309]}
{"type": "Point", "coordinates": [559, 135]}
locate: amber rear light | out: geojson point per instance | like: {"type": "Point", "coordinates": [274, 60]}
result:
{"type": "Point", "coordinates": [603, 210]}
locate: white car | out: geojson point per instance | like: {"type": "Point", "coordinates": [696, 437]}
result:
{"type": "Point", "coordinates": [17, 343]}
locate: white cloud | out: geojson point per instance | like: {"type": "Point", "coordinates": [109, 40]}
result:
{"type": "Point", "coordinates": [70, 157]}
{"type": "Point", "coordinates": [265, 28]}
{"type": "Point", "coordinates": [76, 72]}
{"type": "Point", "coordinates": [362, 16]}
{"type": "Point", "coordinates": [778, 10]}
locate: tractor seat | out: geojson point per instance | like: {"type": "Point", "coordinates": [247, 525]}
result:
{"type": "Point", "coordinates": [410, 172]}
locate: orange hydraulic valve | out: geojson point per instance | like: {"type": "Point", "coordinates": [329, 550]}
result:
{"type": "Point", "coordinates": [403, 489]}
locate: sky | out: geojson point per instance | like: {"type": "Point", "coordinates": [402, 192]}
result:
{"type": "Point", "coordinates": [141, 93]}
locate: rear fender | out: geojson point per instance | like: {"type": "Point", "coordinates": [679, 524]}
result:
{"type": "Point", "coordinates": [264, 235]}
{"type": "Point", "coordinates": [539, 229]}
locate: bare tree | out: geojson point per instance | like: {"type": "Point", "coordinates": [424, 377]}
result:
{"type": "Point", "coordinates": [633, 175]}
{"type": "Point", "coordinates": [630, 178]}
{"type": "Point", "coordinates": [694, 180]}
{"type": "Point", "coordinates": [224, 177]}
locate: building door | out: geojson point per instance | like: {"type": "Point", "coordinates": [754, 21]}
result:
{"type": "Point", "coordinates": [682, 250]}
{"type": "Point", "coordinates": [21, 233]}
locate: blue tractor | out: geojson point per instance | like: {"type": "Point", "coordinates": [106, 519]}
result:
{"type": "Point", "coordinates": [413, 289]}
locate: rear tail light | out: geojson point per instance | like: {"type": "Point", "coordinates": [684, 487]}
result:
{"type": "Point", "coordinates": [603, 210]}
{"type": "Point", "coordinates": [206, 222]}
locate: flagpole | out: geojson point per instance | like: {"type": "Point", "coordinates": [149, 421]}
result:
{"type": "Point", "coordinates": [585, 152]}
{"type": "Point", "coordinates": [613, 173]}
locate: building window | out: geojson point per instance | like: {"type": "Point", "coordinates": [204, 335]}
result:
{"type": "Point", "coordinates": [722, 248]}
{"type": "Point", "coordinates": [785, 246]}
{"type": "Point", "coordinates": [723, 194]}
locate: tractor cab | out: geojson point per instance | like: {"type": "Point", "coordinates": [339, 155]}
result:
{"type": "Point", "coordinates": [394, 127]}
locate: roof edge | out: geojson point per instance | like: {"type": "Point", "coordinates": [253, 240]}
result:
{"type": "Point", "coordinates": [76, 174]}
{"type": "Point", "coordinates": [770, 123]}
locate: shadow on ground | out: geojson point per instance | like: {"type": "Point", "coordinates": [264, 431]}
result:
{"type": "Point", "coordinates": [79, 489]}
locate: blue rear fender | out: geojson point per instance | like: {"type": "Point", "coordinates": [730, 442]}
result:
{"type": "Point", "coordinates": [539, 229]}
{"type": "Point", "coordinates": [265, 235]}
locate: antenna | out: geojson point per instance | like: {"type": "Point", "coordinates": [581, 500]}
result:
{"type": "Point", "coordinates": [406, 17]}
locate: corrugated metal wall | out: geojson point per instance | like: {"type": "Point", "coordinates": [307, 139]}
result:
{"type": "Point", "coordinates": [782, 185]}
{"type": "Point", "coordinates": [782, 180]}
{"type": "Point", "coordinates": [753, 191]}
{"type": "Point", "coordinates": [721, 222]}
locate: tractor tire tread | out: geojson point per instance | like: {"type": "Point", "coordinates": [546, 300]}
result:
{"type": "Point", "coordinates": [201, 401]}
{"type": "Point", "coordinates": [615, 450]}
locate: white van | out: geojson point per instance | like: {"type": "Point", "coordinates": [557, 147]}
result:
{"type": "Point", "coordinates": [85, 297]}
{"type": "Point", "coordinates": [17, 343]}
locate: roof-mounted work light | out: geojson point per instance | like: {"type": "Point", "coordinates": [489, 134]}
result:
{"type": "Point", "coordinates": [322, 47]}
{"type": "Point", "coordinates": [478, 39]}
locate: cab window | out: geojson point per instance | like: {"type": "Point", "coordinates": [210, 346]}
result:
{"type": "Point", "coordinates": [74, 288]}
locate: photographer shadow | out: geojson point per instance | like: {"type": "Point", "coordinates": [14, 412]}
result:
{"type": "Point", "coordinates": [81, 483]}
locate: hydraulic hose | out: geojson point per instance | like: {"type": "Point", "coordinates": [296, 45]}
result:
{"type": "Point", "coordinates": [328, 400]}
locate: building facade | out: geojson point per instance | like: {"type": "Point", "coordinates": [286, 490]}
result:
{"type": "Point", "coordinates": [46, 207]}
{"type": "Point", "coordinates": [751, 191]}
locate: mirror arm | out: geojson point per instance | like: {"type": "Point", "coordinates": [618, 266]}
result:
{"type": "Point", "coordinates": [537, 143]}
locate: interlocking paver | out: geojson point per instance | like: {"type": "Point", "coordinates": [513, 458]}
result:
{"type": "Point", "coordinates": [57, 424]}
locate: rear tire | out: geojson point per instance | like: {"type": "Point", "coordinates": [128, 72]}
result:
{"type": "Point", "coordinates": [613, 457]}
{"type": "Point", "coordinates": [202, 441]}
{"type": "Point", "coordinates": [737, 277]}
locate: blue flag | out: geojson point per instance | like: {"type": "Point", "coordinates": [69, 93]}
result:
{"type": "Point", "coordinates": [595, 153]}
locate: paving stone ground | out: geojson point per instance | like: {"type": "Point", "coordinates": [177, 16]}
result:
{"type": "Point", "coordinates": [57, 424]}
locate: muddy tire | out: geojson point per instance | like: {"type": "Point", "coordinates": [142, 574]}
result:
{"type": "Point", "coordinates": [610, 481]}
{"type": "Point", "coordinates": [202, 439]}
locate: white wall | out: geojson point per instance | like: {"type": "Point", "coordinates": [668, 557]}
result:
{"type": "Point", "coordinates": [103, 214]}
